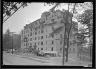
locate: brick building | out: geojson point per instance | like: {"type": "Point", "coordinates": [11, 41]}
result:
{"type": "Point", "coordinates": [37, 33]}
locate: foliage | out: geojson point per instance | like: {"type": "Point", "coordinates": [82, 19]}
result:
{"type": "Point", "coordinates": [9, 8]}
{"type": "Point", "coordinates": [7, 40]}
{"type": "Point", "coordinates": [16, 41]}
{"type": "Point", "coordinates": [74, 11]}
{"type": "Point", "coordinates": [56, 31]}
{"type": "Point", "coordinates": [86, 19]}
{"type": "Point", "coordinates": [30, 49]}
{"type": "Point", "coordinates": [10, 40]}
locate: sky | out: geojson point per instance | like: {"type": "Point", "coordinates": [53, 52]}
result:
{"type": "Point", "coordinates": [30, 13]}
{"type": "Point", "coordinates": [26, 15]}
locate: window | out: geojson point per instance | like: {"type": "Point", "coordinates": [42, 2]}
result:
{"type": "Point", "coordinates": [26, 44]}
{"type": "Point", "coordinates": [52, 20]}
{"type": "Point", "coordinates": [35, 33]}
{"type": "Point", "coordinates": [46, 42]}
{"type": "Point", "coordinates": [35, 43]}
{"type": "Point", "coordinates": [46, 36]}
{"type": "Point", "coordinates": [41, 48]}
{"type": "Point", "coordinates": [52, 49]}
{"type": "Point", "coordinates": [41, 43]}
{"type": "Point", "coordinates": [36, 23]}
{"type": "Point", "coordinates": [38, 27]}
{"type": "Point", "coordinates": [52, 28]}
{"type": "Point", "coordinates": [30, 34]}
{"type": "Point", "coordinates": [30, 44]}
{"type": "Point", "coordinates": [41, 37]}
{"type": "Point", "coordinates": [38, 43]}
{"type": "Point", "coordinates": [60, 42]}
{"type": "Point", "coordinates": [24, 32]}
{"type": "Point", "coordinates": [41, 31]}
{"type": "Point", "coordinates": [60, 49]}
{"type": "Point", "coordinates": [31, 29]}
{"type": "Point", "coordinates": [30, 39]}
{"type": "Point", "coordinates": [73, 49]}
{"type": "Point", "coordinates": [52, 42]}
{"type": "Point", "coordinates": [46, 30]}
{"type": "Point", "coordinates": [60, 35]}
{"type": "Point", "coordinates": [22, 40]}
{"type": "Point", "coordinates": [52, 36]}
{"type": "Point", "coordinates": [35, 38]}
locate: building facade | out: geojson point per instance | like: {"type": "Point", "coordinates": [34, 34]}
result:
{"type": "Point", "coordinates": [38, 32]}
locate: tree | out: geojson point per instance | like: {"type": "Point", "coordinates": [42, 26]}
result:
{"type": "Point", "coordinates": [86, 19]}
{"type": "Point", "coordinates": [30, 49]}
{"type": "Point", "coordinates": [74, 11]}
{"type": "Point", "coordinates": [67, 26]}
{"type": "Point", "coordinates": [7, 40]}
{"type": "Point", "coordinates": [11, 41]}
{"type": "Point", "coordinates": [16, 41]}
{"type": "Point", "coordinates": [9, 8]}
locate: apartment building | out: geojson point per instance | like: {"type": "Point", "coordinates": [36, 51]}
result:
{"type": "Point", "coordinates": [38, 32]}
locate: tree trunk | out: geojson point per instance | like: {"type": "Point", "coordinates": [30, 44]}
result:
{"type": "Point", "coordinates": [67, 46]}
{"type": "Point", "coordinates": [64, 46]}
{"type": "Point", "coordinates": [68, 33]}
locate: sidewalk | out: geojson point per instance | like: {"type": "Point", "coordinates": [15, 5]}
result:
{"type": "Point", "coordinates": [72, 61]}
{"type": "Point", "coordinates": [6, 62]}
{"type": "Point", "coordinates": [36, 58]}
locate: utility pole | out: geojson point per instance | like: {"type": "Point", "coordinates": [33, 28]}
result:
{"type": "Point", "coordinates": [12, 44]}
{"type": "Point", "coordinates": [12, 41]}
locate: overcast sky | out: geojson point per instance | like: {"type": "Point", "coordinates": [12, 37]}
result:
{"type": "Point", "coordinates": [30, 13]}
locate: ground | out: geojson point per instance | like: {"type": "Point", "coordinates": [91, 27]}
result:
{"type": "Point", "coordinates": [30, 59]}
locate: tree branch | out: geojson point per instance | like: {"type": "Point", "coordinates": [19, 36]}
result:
{"type": "Point", "coordinates": [13, 13]}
